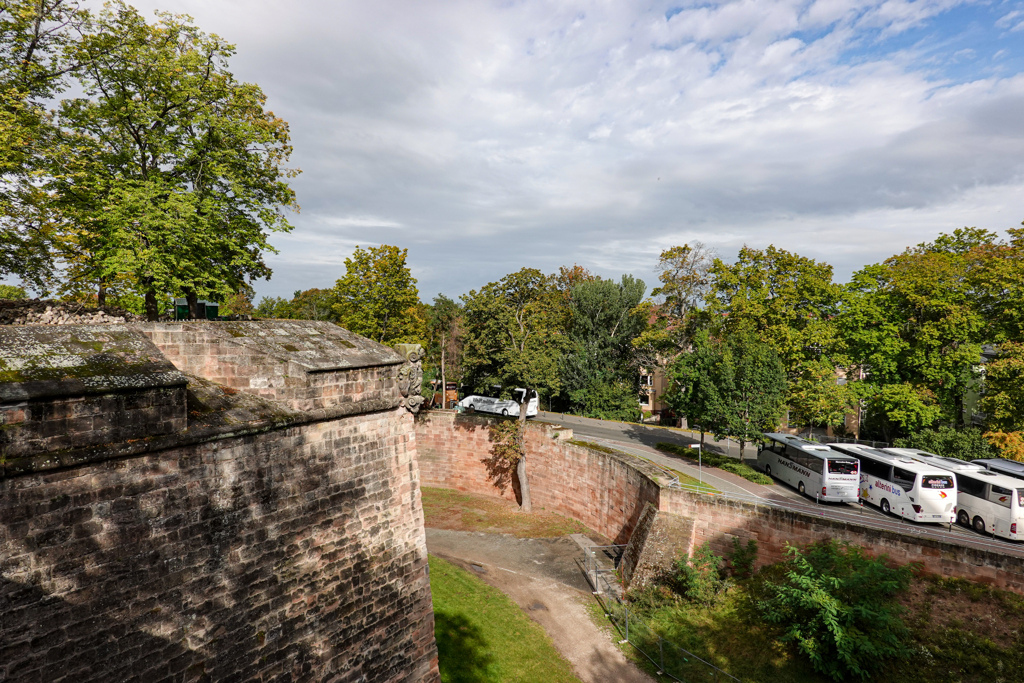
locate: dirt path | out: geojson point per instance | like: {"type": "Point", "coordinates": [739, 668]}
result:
{"type": "Point", "coordinates": [544, 578]}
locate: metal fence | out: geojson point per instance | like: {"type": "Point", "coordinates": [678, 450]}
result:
{"type": "Point", "coordinates": [677, 663]}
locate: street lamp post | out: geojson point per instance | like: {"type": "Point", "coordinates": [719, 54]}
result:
{"type": "Point", "coordinates": [700, 472]}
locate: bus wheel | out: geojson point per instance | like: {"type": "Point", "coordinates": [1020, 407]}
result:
{"type": "Point", "coordinates": [768, 470]}
{"type": "Point", "coordinates": [471, 408]}
{"type": "Point", "coordinates": [801, 489]}
{"type": "Point", "coordinates": [885, 506]}
{"type": "Point", "coordinates": [979, 525]}
{"type": "Point", "coordinates": [504, 411]}
{"type": "Point", "coordinates": [963, 519]}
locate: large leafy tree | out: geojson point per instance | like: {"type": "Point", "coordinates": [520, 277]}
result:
{"type": "Point", "coordinates": [514, 337]}
{"type": "Point", "coordinates": [377, 296]}
{"type": "Point", "coordinates": [444, 351]}
{"type": "Point", "coordinates": [787, 300]}
{"type": "Point", "coordinates": [34, 39]}
{"type": "Point", "coordinates": [702, 385]}
{"type": "Point", "coordinates": [600, 370]}
{"type": "Point", "coordinates": [916, 324]}
{"type": "Point", "coordinates": [170, 174]}
{"type": "Point", "coordinates": [758, 400]}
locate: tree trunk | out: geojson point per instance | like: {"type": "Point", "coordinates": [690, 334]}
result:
{"type": "Point", "coordinates": [524, 484]}
{"type": "Point", "coordinates": [743, 445]}
{"type": "Point", "coordinates": [193, 304]}
{"type": "Point", "coordinates": [444, 383]}
{"type": "Point", "coordinates": [101, 296]}
{"type": "Point", "coordinates": [702, 439]}
{"type": "Point", "coordinates": [152, 309]}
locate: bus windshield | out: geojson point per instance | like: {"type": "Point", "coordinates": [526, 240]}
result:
{"type": "Point", "coordinates": [842, 467]}
{"type": "Point", "coordinates": [936, 481]}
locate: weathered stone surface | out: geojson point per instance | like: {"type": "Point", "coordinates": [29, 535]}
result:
{"type": "Point", "coordinates": [243, 535]}
{"type": "Point", "coordinates": [77, 386]}
{"type": "Point", "coordinates": [657, 541]}
{"type": "Point", "coordinates": [305, 364]}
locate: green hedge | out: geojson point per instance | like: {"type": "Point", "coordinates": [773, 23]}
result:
{"type": "Point", "coordinates": [722, 462]}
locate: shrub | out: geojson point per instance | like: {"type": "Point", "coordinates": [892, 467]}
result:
{"type": "Point", "coordinates": [742, 558]}
{"type": "Point", "coordinates": [836, 605]}
{"type": "Point", "coordinates": [698, 578]}
{"type": "Point", "coordinates": [722, 462]}
{"type": "Point", "coordinates": [966, 444]}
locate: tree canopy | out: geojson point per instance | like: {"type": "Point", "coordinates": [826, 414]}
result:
{"type": "Point", "coordinates": [377, 296]}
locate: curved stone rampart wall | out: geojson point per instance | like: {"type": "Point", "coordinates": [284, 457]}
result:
{"type": "Point", "coordinates": [608, 492]}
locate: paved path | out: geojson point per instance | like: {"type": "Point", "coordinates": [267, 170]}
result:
{"type": "Point", "coordinates": [543, 577]}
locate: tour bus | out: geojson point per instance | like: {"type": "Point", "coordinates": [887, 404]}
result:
{"type": "Point", "coordinates": [910, 488]}
{"type": "Point", "coordinates": [500, 406]}
{"type": "Point", "coordinates": [986, 501]}
{"type": "Point", "coordinates": [1010, 468]}
{"type": "Point", "coordinates": [940, 460]}
{"type": "Point", "coordinates": [813, 468]}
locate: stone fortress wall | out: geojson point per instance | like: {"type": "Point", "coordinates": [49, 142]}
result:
{"type": "Point", "coordinates": [623, 499]}
{"type": "Point", "coordinates": [209, 501]}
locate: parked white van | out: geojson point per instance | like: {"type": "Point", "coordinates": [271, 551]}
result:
{"type": "Point", "coordinates": [500, 406]}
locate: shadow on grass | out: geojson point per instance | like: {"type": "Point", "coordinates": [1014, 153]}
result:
{"type": "Point", "coordinates": [461, 650]}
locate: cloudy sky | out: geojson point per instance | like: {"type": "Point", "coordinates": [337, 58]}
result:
{"type": "Point", "coordinates": [489, 136]}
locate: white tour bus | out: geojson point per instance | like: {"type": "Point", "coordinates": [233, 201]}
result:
{"type": "Point", "coordinates": [986, 501]}
{"type": "Point", "coordinates": [910, 488]}
{"type": "Point", "coordinates": [813, 468]}
{"type": "Point", "coordinates": [500, 406]}
{"type": "Point", "coordinates": [1010, 468]}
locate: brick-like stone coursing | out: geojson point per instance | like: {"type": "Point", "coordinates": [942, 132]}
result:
{"type": "Point", "coordinates": [296, 554]}
{"type": "Point", "coordinates": [55, 424]}
{"type": "Point", "coordinates": [605, 492]}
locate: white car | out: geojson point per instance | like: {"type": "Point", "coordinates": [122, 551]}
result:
{"type": "Point", "coordinates": [499, 406]}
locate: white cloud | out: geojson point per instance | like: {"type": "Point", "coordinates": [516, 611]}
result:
{"type": "Point", "coordinates": [490, 136]}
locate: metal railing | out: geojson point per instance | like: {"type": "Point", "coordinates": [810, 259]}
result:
{"type": "Point", "coordinates": [677, 663]}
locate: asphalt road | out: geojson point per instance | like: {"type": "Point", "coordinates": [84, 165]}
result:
{"type": "Point", "coordinates": [639, 440]}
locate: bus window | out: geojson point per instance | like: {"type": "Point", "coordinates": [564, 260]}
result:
{"type": "Point", "coordinates": [842, 466]}
{"type": "Point", "coordinates": [1020, 499]}
{"type": "Point", "coordinates": [1000, 495]}
{"type": "Point", "coordinates": [876, 469]}
{"type": "Point", "coordinates": [971, 487]}
{"type": "Point", "coordinates": [903, 478]}
{"type": "Point", "coordinates": [936, 481]}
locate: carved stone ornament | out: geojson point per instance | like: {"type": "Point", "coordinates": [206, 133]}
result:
{"type": "Point", "coordinates": [410, 376]}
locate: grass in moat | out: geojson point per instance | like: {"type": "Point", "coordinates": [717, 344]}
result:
{"type": "Point", "coordinates": [483, 636]}
{"type": "Point", "coordinates": [458, 511]}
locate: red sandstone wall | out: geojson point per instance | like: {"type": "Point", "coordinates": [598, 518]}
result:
{"type": "Point", "coordinates": [718, 520]}
{"type": "Point", "coordinates": [53, 424]}
{"type": "Point", "coordinates": [607, 493]}
{"type": "Point", "coordinates": [604, 492]}
{"type": "Point", "coordinates": [291, 555]}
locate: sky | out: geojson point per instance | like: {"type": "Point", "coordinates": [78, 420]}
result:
{"type": "Point", "coordinates": [485, 137]}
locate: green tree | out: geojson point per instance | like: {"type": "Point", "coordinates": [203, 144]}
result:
{"type": "Point", "coordinates": [8, 292]}
{"type": "Point", "coordinates": [600, 372]}
{"type": "Point", "coordinates": [514, 338]}
{"type": "Point", "coordinates": [817, 398]}
{"type": "Point", "coordinates": [34, 39]}
{"type": "Point", "coordinates": [838, 607]}
{"type": "Point", "coordinates": [785, 299]}
{"type": "Point", "coordinates": [377, 297]}
{"type": "Point", "coordinates": [701, 385]}
{"type": "Point", "coordinates": [966, 444]}
{"type": "Point", "coordinates": [758, 400]}
{"type": "Point", "coordinates": [917, 322]}
{"type": "Point", "coordinates": [312, 304]}
{"type": "Point", "coordinates": [273, 307]}
{"type": "Point", "coordinates": [168, 172]}
{"type": "Point", "coordinates": [1003, 400]}
{"type": "Point", "coordinates": [444, 328]}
